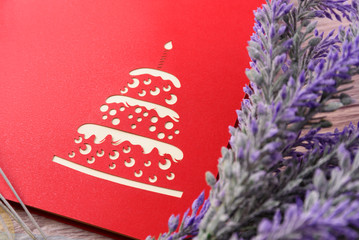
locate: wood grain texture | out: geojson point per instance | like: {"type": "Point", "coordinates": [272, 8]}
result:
{"type": "Point", "coordinates": [342, 117]}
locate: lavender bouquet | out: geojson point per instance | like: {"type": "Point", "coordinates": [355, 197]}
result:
{"type": "Point", "coordinates": [282, 178]}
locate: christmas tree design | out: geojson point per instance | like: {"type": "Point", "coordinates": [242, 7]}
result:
{"type": "Point", "coordinates": [132, 145]}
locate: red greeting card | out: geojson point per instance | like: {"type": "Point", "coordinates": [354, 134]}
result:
{"type": "Point", "coordinates": [111, 112]}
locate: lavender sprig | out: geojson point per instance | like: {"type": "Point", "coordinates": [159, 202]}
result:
{"type": "Point", "coordinates": [271, 120]}
{"type": "Point", "coordinates": [329, 8]}
{"type": "Point", "coordinates": [296, 72]}
{"type": "Point", "coordinates": [318, 220]}
{"type": "Point", "coordinates": [188, 228]}
{"type": "Point", "coordinates": [331, 208]}
{"type": "Point", "coordinates": [325, 153]}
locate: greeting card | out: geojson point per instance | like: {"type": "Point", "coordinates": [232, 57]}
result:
{"type": "Point", "coordinates": [111, 112]}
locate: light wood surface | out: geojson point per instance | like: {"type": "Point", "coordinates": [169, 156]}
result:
{"type": "Point", "coordinates": [57, 230]}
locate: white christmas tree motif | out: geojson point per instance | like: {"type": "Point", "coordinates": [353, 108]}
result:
{"type": "Point", "coordinates": [141, 122]}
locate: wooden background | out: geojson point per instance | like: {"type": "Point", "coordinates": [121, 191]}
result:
{"type": "Point", "coordinates": [55, 229]}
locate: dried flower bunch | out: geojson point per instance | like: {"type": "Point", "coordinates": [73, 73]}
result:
{"type": "Point", "coordinates": [282, 178]}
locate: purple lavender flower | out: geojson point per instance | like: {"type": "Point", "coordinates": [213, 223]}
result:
{"type": "Point", "coordinates": [327, 8]}
{"type": "Point", "coordinates": [301, 93]}
{"type": "Point", "coordinates": [295, 73]}
{"type": "Point", "coordinates": [188, 227]}
{"type": "Point", "coordinates": [313, 220]}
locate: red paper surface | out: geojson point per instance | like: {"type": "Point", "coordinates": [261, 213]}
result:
{"type": "Point", "coordinates": [153, 85]}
